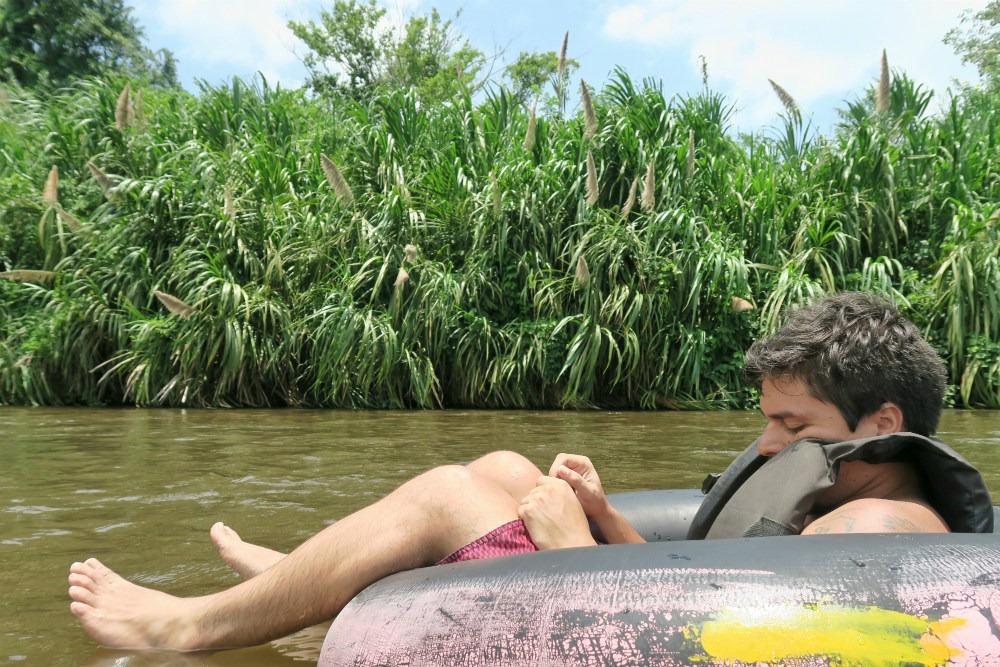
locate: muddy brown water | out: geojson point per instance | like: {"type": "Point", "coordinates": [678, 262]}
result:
{"type": "Point", "coordinates": [140, 488]}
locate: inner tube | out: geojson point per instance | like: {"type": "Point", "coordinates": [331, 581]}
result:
{"type": "Point", "coordinates": [911, 599]}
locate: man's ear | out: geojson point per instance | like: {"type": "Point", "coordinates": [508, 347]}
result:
{"type": "Point", "coordinates": [889, 419]}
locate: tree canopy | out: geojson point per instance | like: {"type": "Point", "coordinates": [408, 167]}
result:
{"type": "Point", "coordinates": [353, 50]}
{"type": "Point", "coordinates": [529, 74]}
{"type": "Point", "coordinates": [977, 40]}
{"type": "Point", "coordinates": [56, 42]}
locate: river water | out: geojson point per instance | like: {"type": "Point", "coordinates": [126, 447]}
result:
{"type": "Point", "coordinates": [140, 488]}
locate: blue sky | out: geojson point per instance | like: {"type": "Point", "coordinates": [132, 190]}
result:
{"type": "Point", "coordinates": [822, 52]}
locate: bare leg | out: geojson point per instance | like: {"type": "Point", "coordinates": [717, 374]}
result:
{"type": "Point", "coordinates": [418, 524]}
{"type": "Point", "coordinates": [512, 472]}
{"type": "Point", "coordinates": [509, 470]}
{"type": "Point", "coordinates": [247, 559]}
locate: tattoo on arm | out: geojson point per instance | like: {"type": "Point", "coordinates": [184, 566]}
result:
{"type": "Point", "coordinates": [898, 524]}
{"type": "Point", "coordinates": [863, 521]}
{"type": "Point", "coordinates": [842, 523]}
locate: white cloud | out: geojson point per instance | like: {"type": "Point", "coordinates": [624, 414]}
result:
{"type": "Point", "coordinates": [240, 37]}
{"type": "Point", "coordinates": [814, 50]}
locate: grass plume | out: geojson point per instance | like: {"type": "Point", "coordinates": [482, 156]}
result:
{"type": "Point", "coordinates": [69, 219]}
{"type": "Point", "coordinates": [529, 135]}
{"type": "Point", "coordinates": [401, 279]}
{"type": "Point", "coordinates": [28, 276]}
{"type": "Point", "coordinates": [495, 189]}
{"type": "Point", "coordinates": [140, 113]}
{"type": "Point", "coordinates": [589, 115]}
{"type": "Point", "coordinates": [592, 189]}
{"type": "Point", "coordinates": [787, 101]}
{"type": "Point", "coordinates": [123, 110]}
{"type": "Point", "coordinates": [582, 271]}
{"type": "Point", "coordinates": [50, 195]}
{"type": "Point", "coordinates": [882, 100]}
{"type": "Point", "coordinates": [102, 179]}
{"type": "Point", "coordinates": [336, 180]}
{"type": "Point", "coordinates": [561, 68]}
{"type": "Point", "coordinates": [649, 189]}
{"type": "Point", "coordinates": [630, 201]}
{"type": "Point", "coordinates": [228, 203]}
{"type": "Point", "coordinates": [173, 304]}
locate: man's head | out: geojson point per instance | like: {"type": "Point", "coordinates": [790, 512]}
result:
{"type": "Point", "coordinates": [856, 352]}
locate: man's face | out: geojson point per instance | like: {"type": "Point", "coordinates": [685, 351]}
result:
{"type": "Point", "coordinates": [792, 414]}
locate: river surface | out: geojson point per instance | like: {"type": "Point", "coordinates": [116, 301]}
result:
{"type": "Point", "coordinates": [140, 489]}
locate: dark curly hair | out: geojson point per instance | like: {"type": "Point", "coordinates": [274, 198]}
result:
{"type": "Point", "coordinates": [855, 351]}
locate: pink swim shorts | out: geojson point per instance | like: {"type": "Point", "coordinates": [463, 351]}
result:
{"type": "Point", "coordinates": [506, 540]}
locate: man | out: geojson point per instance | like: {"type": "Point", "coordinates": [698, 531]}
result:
{"type": "Point", "coordinates": [847, 367]}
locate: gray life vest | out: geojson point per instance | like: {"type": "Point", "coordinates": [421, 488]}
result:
{"type": "Point", "coordinates": [767, 496]}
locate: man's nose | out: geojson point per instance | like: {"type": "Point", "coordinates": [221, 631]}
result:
{"type": "Point", "coordinates": [771, 441]}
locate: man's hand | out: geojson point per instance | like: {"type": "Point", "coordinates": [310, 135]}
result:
{"type": "Point", "coordinates": [554, 517]}
{"type": "Point", "coordinates": [579, 473]}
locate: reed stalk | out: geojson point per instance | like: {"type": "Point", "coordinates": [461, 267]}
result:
{"type": "Point", "coordinates": [495, 192]}
{"type": "Point", "coordinates": [690, 154]}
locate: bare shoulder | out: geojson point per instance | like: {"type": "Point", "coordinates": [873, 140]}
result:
{"type": "Point", "coordinates": [874, 515]}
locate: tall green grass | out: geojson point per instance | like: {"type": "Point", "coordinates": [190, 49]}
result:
{"type": "Point", "coordinates": [589, 266]}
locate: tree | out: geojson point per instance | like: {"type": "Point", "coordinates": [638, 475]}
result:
{"type": "Point", "coordinates": [531, 71]}
{"type": "Point", "coordinates": [432, 57]}
{"type": "Point", "coordinates": [977, 40]}
{"type": "Point", "coordinates": [55, 42]}
{"type": "Point", "coordinates": [353, 51]}
{"type": "Point", "coordinates": [346, 49]}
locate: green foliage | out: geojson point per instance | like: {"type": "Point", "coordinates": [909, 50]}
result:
{"type": "Point", "coordinates": [977, 40]}
{"type": "Point", "coordinates": [532, 72]}
{"type": "Point", "coordinates": [352, 51]}
{"type": "Point", "coordinates": [220, 263]}
{"type": "Point", "coordinates": [53, 43]}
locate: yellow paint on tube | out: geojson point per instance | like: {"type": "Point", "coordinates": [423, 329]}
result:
{"type": "Point", "coordinates": [855, 637]}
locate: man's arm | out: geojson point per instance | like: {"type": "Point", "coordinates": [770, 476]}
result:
{"type": "Point", "coordinates": [872, 515]}
{"type": "Point", "coordinates": [552, 511]}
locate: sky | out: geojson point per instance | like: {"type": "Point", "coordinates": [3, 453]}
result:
{"type": "Point", "coordinates": [824, 53]}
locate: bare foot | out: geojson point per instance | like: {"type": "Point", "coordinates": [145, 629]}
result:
{"type": "Point", "coordinates": [120, 614]}
{"type": "Point", "coordinates": [247, 559]}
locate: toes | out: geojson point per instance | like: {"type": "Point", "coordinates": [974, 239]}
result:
{"type": "Point", "coordinates": [80, 609]}
{"type": "Point", "coordinates": [79, 567]}
{"type": "Point", "coordinates": [220, 533]}
{"type": "Point", "coordinates": [82, 597]}
{"type": "Point", "coordinates": [82, 580]}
